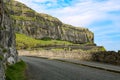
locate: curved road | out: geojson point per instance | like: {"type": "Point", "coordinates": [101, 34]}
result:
{"type": "Point", "coordinates": [46, 69]}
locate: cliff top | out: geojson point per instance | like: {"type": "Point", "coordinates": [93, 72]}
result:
{"type": "Point", "coordinates": [29, 14]}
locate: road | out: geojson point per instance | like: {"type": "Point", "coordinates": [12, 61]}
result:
{"type": "Point", "coordinates": [46, 69]}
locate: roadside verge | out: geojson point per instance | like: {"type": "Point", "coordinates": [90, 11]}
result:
{"type": "Point", "coordinates": [16, 71]}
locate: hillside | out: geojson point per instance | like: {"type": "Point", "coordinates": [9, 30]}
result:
{"type": "Point", "coordinates": [40, 26]}
{"type": "Point", "coordinates": [38, 30]}
{"type": "Point", "coordinates": [26, 42]}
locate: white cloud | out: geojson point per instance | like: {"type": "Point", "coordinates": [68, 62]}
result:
{"type": "Point", "coordinates": [86, 12]}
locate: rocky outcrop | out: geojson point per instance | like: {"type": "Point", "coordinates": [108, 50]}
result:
{"type": "Point", "coordinates": [40, 26]}
{"type": "Point", "coordinates": [111, 57]}
{"type": "Point", "coordinates": [8, 53]}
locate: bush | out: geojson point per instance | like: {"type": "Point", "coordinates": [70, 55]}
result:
{"type": "Point", "coordinates": [111, 57]}
{"type": "Point", "coordinates": [46, 38]}
{"type": "Point", "coordinates": [16, 71]}
{"type": "Point", "coordinates": [4, 50]}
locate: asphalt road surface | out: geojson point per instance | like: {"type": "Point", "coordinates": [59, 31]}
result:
{"type": "Point", "coordinates": [46, 69]}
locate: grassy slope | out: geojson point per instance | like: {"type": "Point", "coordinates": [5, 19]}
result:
{"type": "Point", "coordinates": [25, 42]}
{"type": "Point", "coordinates": [16, 71]}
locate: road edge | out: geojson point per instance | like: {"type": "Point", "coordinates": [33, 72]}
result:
{"type": "Point", "coordinates": [82, 64]}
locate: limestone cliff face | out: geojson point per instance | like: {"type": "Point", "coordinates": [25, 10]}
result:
{"type": "Point", "coordinates": [41, 26]}
{"type": "Point", "coordinates": [8, 53]}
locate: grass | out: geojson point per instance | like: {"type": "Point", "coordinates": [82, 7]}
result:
{"type": "Point", "coordinates": [22, 18]}
{"type": "Point", "coordinates": [25, 42]}
{"type": "Point", "coordinates": [1, 57]}
{"type": "Point", "coordinates": [16, 71]}
{"type": "Point", "coordinates": [48, 17]}
{"type": "Point", "coordinates": [102, 49]}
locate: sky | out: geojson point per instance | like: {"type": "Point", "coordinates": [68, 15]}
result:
{"type": "Point", "coordinates": [102, 17]}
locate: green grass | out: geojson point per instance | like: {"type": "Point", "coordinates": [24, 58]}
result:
{"type": "Point", "coordinates": [48, 17]}
{"type": "Point", "coordinates": [22, 18]}
{"type": "Point", "coordinates": [102, 49]}
{"type": "Point", "coordinates": [25, 42]}
{"type": "Point", "coordinates": [16, 71]}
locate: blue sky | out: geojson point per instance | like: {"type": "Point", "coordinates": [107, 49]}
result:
{"type": "Point", "coordinates": [100, 16]}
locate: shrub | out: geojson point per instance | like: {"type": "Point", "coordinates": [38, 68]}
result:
{"type": "Point", "coordinates": [16, 71]}
{"type": "Point", "coordinates": [4, 50]}
{"type": "Point", "coordinates": [1, 57]}
{"type": "Point", "coordinates": [46, 38]}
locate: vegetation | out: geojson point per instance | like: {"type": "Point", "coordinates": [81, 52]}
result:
{"type": "Point", "coordinates": [46, 38]}
{"type": "Point", "coordinates": [16, 71]}
{"type": "Point", "coordinates": [30, 11]}
{"type": "Point", "coordinates": [1, 57]}
{"type": "Point", "coordinates": [25, 42]}
{"type": "Point", "coordinates": [102, 49]}
{"type": "Point", "coordinates": [48, 17]}
{"type": "Point", "coordinates": [110, 57]}
{"type": "Point", "coordinates": [22, 18]}
{"type": "Point", "coordinates": [1, 46]}
{"type": "Point", "coordinates": [1, 28]}
{"type": "Point", "coordinates": [4, 50]}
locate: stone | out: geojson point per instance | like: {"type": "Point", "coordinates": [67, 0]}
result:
{"type": "Point", "coordinates": [8, 50]}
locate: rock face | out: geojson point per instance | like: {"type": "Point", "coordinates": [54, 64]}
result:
{"type": "Point", "coordinates": [40, 26]}
{"type": "Point", "coordinates": [111, 57]}
{"type": "Point", "coordinates": [8, 53]}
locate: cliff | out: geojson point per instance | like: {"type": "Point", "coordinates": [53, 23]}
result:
{"type": "Point", "coordinates": [42, 26]}
{"type": "Point", "coordinates": [8, 53]}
